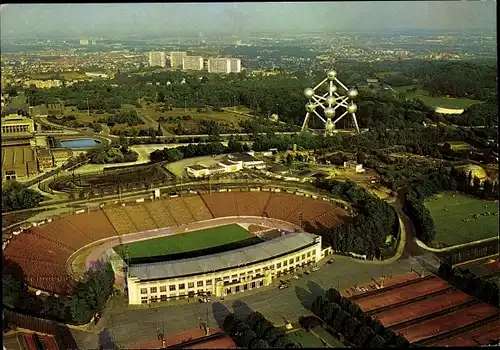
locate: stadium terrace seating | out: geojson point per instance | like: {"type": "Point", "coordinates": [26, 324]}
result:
{"type": "Point", "coordinates": [94, 224]}
{"type": "Point", "coordinates": [63, 231]}
{"type": "Point", "coordinates": [53, 242]}
{"type": "Point", "coordinates": [222, 203]}
{"type": "Point", "coordinates": [310, 208]}
{"type": "Point", "coordinates": [282, 205]}
{"type": "Point", "coordinates": [179, 211]}
{"type": "Point", "coordinates": [198, 208]}
{"type": "Point", "coordinates": [120, 220]}
{"type": "Point", "coordinates": [29, 246]}
{"type": "Point", "coordinates": [160, 214]}
{"type": "Point", "coordinates": [329, 219]}
{"type": "Point", "coordinates": [252, 203]}
{"type": "Point", "coordinates": [140, 218]}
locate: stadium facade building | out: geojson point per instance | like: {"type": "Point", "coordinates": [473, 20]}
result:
{"type": "Point", "coordinates": [224, 273]}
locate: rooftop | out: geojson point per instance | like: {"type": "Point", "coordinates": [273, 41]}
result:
{"type": "Point", "coordinates": [221, 261]}
{"type": "Point", "coordinates": [245, 157]}
{"type": "Point", "coordinates": [226, 162]}
{"type": "Point", "coordinates": [197, 167]}
{"type": "Point", "coordinates": [16, 155]}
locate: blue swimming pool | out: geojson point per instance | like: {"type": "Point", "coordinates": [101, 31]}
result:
{"type": "Point", "coordinates": [80, 143]}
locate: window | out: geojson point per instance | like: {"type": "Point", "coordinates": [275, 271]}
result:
{"type": "Point", "coordinates": [297, 259]}
{"type": "Point", "coordinates": [218, 279]}
{"type": "Point", "coordinates": [199, 284]}
{"type": "Point", "coordinates": [171, 287]}
{"type": "Point", "coordinates": [272, 267]}
{"type": "Point", "coordinates": [285, 262]}
{"type": "Point", "coordinates": [163, 289]}
{"type": "Point", "coordinates": [265, 268]}
{"type": "Point", "coordinates": [257, 271]}
{"type": "Point", "coordinates": [208, 282]}
{"type": "Point", "coordinates": [303, 256]}
{"type": "Point", "coordinates": [308, 254]}
{"type": "Point", "coordinates": [226, 278]}
{"type": "Point", "coordinates": [250, 272]}
{"type": "Point", "coordinates": [153, 290]}
{"type": "Point", "coordinates": [182, 286]}
{"type": "Point", "coordinates": [314, 252]}
{"type": "Point", "coordinates": [291, 261]}
{"type": "Point", "coordinates": [234, 277]}
{"type": "Point", "coordinates": [278, 265]}
{"type": "Point", "coordinates": [144, 291]}
{"type": "Point", "coordinates": [191, 285]}
{"type": "Point", "coordinates": [144, 300]}
{"type": "Point", "coordinates": [163, 297]}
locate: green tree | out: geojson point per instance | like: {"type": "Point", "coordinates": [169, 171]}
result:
{"type": "Point", "coordinates": [230, 323]}
{"type": "Point", "coordinates": [16, 197]}
{"type": "Point", "coordinates": [289, 159]}
{"type": "Point", "coordinates": [333, 295]}
{"type": "Point", "coordinates": [12, 290]}
{"type": "Point", "coordinates": [377, 342]}
{"type": "Point", "coordinates": [259, 344]}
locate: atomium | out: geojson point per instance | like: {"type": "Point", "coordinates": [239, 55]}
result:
{"type": "Point", "coordinates": [330, 103]}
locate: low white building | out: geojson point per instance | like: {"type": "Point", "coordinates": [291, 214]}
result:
{"type": "Point", "coordinates": [354, 165]}
{"type": "Point", "coordinates": [197, 170]}
{"type": "Point", "coordinates": [231, 166]}
{"type": "Point", "coordinates": [224, 273]}
{"type": "Point", "coordinates": [247, 160]}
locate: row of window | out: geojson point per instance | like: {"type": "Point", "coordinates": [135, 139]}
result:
{"type": "Point", "coordinates": [208, 283]}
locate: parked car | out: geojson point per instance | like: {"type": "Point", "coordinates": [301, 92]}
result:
{"type": "Point", "coordinates": [283, 286]}
{"type": "Point", "coordinates": [307, 272]}
{"type": "Point", "coordinates": [315, 268]}
{"type": "Point", "coordinates": [295, 277]}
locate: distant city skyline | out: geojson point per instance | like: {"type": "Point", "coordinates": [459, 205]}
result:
{"type": "Point", "coordinates": [240, 19]}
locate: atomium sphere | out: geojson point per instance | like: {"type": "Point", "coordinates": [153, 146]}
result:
{"type": "Point", "coordinates": [308, 92]}
{"type": "Point", "coordinates": [331, 75]}
{"type": "Point", "coordinates": [333, 89]}
{"type": "Point", "coordinates": [352, 108]}
{"type": "Point", "coordinates": [329, 112]}
{"type": "Point", "coordinates": [352, 93]}
{"type": "Point", "coordinates": [330, 100]}
{"type": "Point", "coordinates": [310, 107]}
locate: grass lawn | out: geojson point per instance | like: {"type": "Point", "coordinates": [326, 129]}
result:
{"type": "Point", "coordinates": [186, 242]}
{"type": "Point", "coordinates": [18, 102]}
{"type": "Point", "coordinates": [450, 229]}
{"type": "Point", "coordinates": [458, 145]}
{"type": "Point", "coordinates": [445, 102]}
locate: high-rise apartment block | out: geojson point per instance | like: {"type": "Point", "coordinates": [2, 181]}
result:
{"type": "Point", "coordinates": [219, 65]}
{"type": "Point", "coordinates": [235, 64]}
{"type": "Point", "coordinates": [192, 63]}
{"type": "Point", "coordinates": [157, 59]}
{"type": "Point", "coordinates": [84, 41]}
{"type": "Point", "coordinates": [224, 65]}
{"type": "Point", "coordinates": [176, 58]}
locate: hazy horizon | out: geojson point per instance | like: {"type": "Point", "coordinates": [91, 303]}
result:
{"type": "Point", "coordinates": [80, 20]}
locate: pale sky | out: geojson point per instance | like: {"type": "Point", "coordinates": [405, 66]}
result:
{"type": "Point", "coordinates": [242, 18]}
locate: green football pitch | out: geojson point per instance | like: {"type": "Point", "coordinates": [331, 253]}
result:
{"type": "Point", "coordinates": [448, 210]}
{"type": "Point", "coordinates": [185, 242]}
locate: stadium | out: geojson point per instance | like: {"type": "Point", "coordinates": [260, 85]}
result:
{"type": "Point", "coordinates": [200, 243]}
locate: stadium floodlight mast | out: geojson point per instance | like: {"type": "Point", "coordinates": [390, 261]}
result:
{"type": "Point", "coordinates": [330, 102]}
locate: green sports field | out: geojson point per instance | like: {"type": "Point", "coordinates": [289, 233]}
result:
{"type": "Point", "coordinates": [185, 242]}
{"type": "Point", "coordinates": [449, 213]}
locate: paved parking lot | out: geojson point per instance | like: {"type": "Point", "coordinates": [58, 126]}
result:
{"type": "Point", "coordinates": [132, 325]}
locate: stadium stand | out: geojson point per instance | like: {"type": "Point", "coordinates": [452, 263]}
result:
{"type": "Point", "coordinates": [182, 215]}
{"type": "Point", "coordinates": [140, 217]}
{"type": "Point", "coordinates": [197, 208]}
{"type": "Point", "coordinates": [120, 220]}
{"type": "Point", "coordinates": [252, 203]}
{"type": "Point", "coordinates": [160, 214]}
